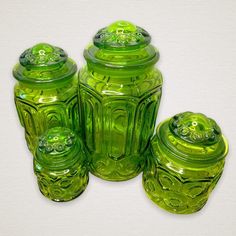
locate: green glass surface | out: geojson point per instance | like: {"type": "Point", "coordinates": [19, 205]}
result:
{"type": "Point", "coordinates": [184, 162]}
{"type": "Point", "coordinates": [46, 91]}
{"type": "Point", "coordinates": [120, 92]}
{"type": "Point", "coordinates": [60, 165]}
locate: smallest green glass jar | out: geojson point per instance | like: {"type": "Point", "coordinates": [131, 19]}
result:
{"type": "Point", "coordinates": [184, 162]}
{"type": "Point", "coordinates": [60, 165]}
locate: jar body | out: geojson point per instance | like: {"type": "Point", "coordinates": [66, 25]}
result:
{"type": "Point", "coordinates": [62, 185]}
{"type": "Point", "coordinates": [42, 107]}
{"type": "Point", "coordinates": [179, 188]}
{"type": "Point", "coordinates": [118, 118]}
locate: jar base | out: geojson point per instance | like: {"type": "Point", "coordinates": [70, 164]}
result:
{"type": "Point", "coordinates": [160, 202]}
{"type": "Point", "coordinates": [115, 177]}
{"type": "Point", "coordinates": [68, 199]}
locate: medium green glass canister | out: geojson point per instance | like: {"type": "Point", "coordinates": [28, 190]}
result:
{"type": "Point", "coordinates": [184, 163]}
{"type": "Point", "coordinates": [120, 92]}
{"type": "Point", "coordinates": [60, 165]}
{"type": "Point", "coordinates": [46, 92]}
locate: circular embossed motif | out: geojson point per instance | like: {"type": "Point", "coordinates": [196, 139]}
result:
{"type": "Point", "coordinates": [149, 186]}
{"type": "Point", "coordinates": [194, 189]}
{"type": "Point", "coordinates": [168, 181]}
{"type": "Point", "coordinates": [175, 201]}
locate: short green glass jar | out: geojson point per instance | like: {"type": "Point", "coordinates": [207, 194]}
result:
{"type": "Point", "coordinates": [120, 92]}
{"type": "Point", "coordinates": [46, 92]}
{"type": "Point", "coordinates": [184, 163]}
{"type": "Point", "coordinates": [60, 165]}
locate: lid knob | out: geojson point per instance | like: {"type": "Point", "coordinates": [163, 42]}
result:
{"type": "Point", "coordinates": [121, 27]}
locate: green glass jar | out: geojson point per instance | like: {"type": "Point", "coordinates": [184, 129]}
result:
{"type": "Point", "coordinates": [60, 165]}
{"type": "Point", "coordinates": [120, 92]}
{"type": "Point", "coordinates": [184, 162]}
{"type": "Point", "coordinates": [46, 92]}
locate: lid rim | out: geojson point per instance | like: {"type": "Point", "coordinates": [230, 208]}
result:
{"type": "Point", "coordinates": [143, 63]}
{"type": "Point", "coordinates": [62, 163]}
{"type": "Point", "coordinates": [201, 162]}
{"type": "Point", "coordinates": [18, 75]}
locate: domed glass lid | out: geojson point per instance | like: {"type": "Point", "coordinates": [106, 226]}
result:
{"type": "Point", "coordinates": [44, 63]}
{"type": "Point", "coordinates": [121, 46]}
{"type": "Point", "coordinates": [58, 148]}
{"type": "Point", "coordinates": [192, 137]}
{"type": "Point", "coordinates": [122, 35]}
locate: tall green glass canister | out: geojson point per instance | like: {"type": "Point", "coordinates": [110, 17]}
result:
{"type": "Point", "coordinates": [184, 162]}
{"type": "Point", "coordinates": [60, 165]}
{"type": "Point", "coordinates": [120, 92]}
{"type": "Point", "coordinates": [46, 92]}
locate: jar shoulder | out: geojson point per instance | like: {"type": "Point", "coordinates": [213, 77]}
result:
{"type": "Point", "coordinates": [121, 85]}
{"type": "Point", "coordinates": [80, 167]}
{"type": "Point", "coordinates": [161, 160]}
{"type": "Point", "coordinates": [44, 94]}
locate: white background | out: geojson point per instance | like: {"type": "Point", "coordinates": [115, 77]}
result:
{"type": "Point", "coordinates": [196, 39]}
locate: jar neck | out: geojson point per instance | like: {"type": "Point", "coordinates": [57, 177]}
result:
{"type": "Point", "coordinates": [118, 73]}
{"type": "Point", "coordinates": [46, 77]}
